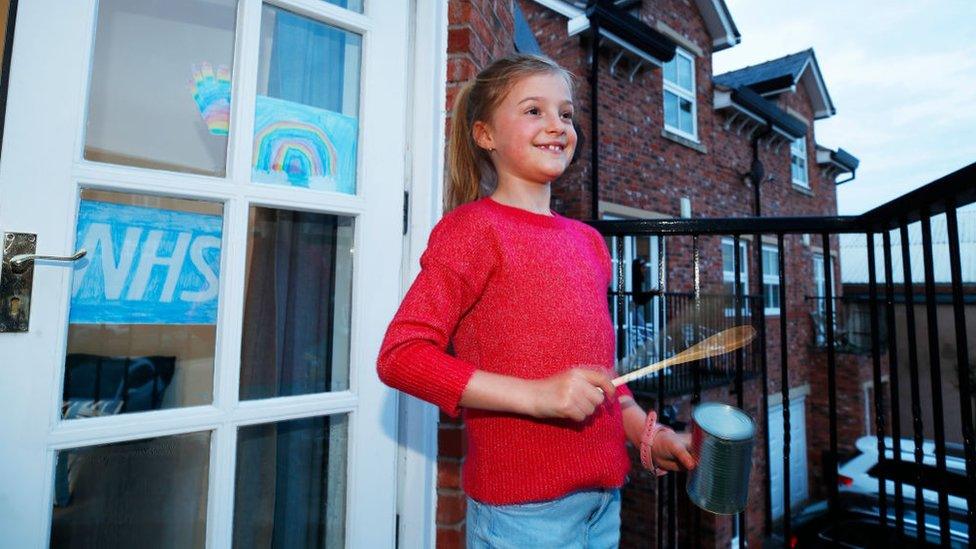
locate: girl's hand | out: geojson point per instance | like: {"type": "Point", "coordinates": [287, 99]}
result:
{"type": "Point", "coordinates": [671, 451]}
{"type": "Point", "coordinates": [574, 394]}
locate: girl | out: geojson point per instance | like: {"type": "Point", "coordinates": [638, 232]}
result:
{"type": "Point", "coordinates": [521, 292]}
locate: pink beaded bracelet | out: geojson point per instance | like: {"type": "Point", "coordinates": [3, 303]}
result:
{"type": "Point", "coordinates": [651, 429]}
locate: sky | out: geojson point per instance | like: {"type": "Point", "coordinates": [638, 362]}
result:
{"type": "Point", "coordinates": [901, 74]}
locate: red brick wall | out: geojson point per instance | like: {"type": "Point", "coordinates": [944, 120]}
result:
{"type": "Point", "coordinates": [450, 498]}
{"type": "Point", "coordinates": [642, 169]}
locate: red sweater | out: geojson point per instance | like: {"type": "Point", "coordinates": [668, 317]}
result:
{"type": "Point", "coordinates": [524, 295]}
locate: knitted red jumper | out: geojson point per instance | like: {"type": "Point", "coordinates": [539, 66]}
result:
{"type": "Point", "coordinates": [524, 295]}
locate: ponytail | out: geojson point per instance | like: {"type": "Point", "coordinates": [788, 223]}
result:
{"type": "Point", "coordinates": [467, 162]}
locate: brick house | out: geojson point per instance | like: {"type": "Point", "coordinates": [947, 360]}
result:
{"type": "Point", "coordinates": [674, 140]}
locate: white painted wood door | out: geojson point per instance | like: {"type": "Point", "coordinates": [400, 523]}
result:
{"type": "Point", "coordinates": [798, 455]}
{"type": "Point", "coordinates": [140, 129]}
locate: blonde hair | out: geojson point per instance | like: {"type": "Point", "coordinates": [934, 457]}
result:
{"type": "Point", "coordinates": [471, 173]}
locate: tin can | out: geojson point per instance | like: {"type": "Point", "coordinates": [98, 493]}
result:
{"type": "Point", "coordinates": [721, 440]}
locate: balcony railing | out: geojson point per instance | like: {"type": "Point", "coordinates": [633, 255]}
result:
{"type": "Point", "coordinates": [852, 324]}
{"type": "Point", "coordinates": [682, 317]}
{"type": "Point", "coordinates": [672, 321]}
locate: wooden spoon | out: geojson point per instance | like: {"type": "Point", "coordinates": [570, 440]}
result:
{"type": "Point", "coordinates": [718, 344]}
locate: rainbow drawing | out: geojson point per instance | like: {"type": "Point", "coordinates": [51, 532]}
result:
{"type": "Point", "coordinates": [211, 93]}
{"type": "Point", "coordinates": [297, 149]}
{"type": "Point", "coordinates": [303, 146]}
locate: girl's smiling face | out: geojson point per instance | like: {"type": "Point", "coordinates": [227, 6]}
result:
{"type": "Point", "coordinates": [531, 132]}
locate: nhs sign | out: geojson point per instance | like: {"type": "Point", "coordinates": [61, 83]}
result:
{"type": "Point", "coordinates": [145, 266]}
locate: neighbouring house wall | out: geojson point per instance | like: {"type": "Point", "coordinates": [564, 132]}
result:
{"type": "Point", "coordinates": [948, 362]}
{"type": "Point", "coordinates": [4, 17]}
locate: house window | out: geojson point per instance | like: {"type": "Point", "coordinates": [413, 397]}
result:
{"type": "Point", "coordinates": [679, 95]}
{"type": "Point", "coordinates": [770, 259]}
{"type": "Point", "coordinates": [820, 299]}
{"type": "Point", "coordinates": [728, 274]}
{"type": "Point", "coordinates": [798, 162]}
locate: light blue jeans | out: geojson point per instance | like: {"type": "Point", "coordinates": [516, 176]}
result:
{"type": "Point", "coordinates": [588, 519]}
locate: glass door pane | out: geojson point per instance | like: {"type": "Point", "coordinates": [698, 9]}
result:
{"type": "Point", "coordinates": [142, 325]}
{"type": "Point", "coordinates": [141, 493]}
{"type": "Point", "coordinates": [159, 93]}
{"type": "Point", "coordinates": [291, 484]}
{"type": "Point", "coordinates": [354, 5]}
{"type": "Point", "coordinates": [297, 305]}
{"type": "Point", "coordinates": [306, 120]}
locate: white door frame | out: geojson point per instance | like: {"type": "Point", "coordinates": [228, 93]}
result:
{"type": "Point", "coordinates": [418, 421]}
{"type": "Point", "coordinates": [38, 193]}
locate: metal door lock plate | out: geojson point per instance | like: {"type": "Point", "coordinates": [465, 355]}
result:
{"type": "Point", "coordinates": [16, 282]}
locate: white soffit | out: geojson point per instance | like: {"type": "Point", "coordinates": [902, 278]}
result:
{"type": "Point", "coordinates": [718, 24]}
{"type": "Point", "coordinates": [562, 8]}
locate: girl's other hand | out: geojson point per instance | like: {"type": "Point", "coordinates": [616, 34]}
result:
{"type": "Point", "coordinates": [671, 451]}
{"type": "Point", "coordinates": [574, 394]}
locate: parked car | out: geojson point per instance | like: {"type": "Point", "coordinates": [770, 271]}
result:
{"type": "Point", "coordinates": [858, 525]}
{"type": "Point", "coordinates": [858, 521]}
{"type": "Point", "coordinates": [860, 474]}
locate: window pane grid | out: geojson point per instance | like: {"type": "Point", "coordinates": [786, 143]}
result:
{"type": "Point", "coordinates": [770, 258]}
{"type": "Point", "coordinates": [798, 161]}
{"type": "Point", "coordinates": [728, 273]}
{"type": "Point", "coordinates": [679, 95]}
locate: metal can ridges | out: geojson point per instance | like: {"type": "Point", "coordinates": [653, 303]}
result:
{"type": "Point", "coordinates": [720, 482]}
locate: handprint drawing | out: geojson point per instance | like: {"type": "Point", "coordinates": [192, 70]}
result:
{"type": "Point", "coordinates": [211, 93]}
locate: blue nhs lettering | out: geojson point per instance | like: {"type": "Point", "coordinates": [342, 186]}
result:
{"type": "Point", "coordinates": [145, 266]}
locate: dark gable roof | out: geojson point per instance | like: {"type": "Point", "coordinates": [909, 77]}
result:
{"type": "Point", "coordinates": [769, 112]}
{"type": "Point", "coordinates": [761, 77]}
{"type": "Point", "coordinates": [779, 75]}
{"type": "Point", "coordinates": [715, 13]}
{"type": "Point", "coordinates": [845, 158]}
{"type": "Point", "coordinates": [631, 30]}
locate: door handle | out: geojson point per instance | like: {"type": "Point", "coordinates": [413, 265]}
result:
{"type": "Point", "coordinates": [18, 262]}
{"type": "Point", "coordinates": [17, 278]}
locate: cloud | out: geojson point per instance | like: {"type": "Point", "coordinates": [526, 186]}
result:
{"type": "Point", "coordinates": [902, 75]}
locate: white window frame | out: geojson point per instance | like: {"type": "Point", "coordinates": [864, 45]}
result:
{"type": "Point", "coordinates": [681, 93]}
{"type": "Point", "coordinates": [820, 292]}
{"type": "Point", "coordinates": [734, 542]}
{"type": "Point", "coordinates": [798, 162]}
{"type": "Point", "coordinates": [417, 420]}
{"type": "Point", "coordinates": [770, 279]}
{"type": "Point", "coordinates": [728, 277]}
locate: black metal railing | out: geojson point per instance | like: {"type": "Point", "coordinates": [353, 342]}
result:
{"type": "Point", "coordinates": [852, 324]}
{"type": "Point", "coordinates": [686, 241]}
